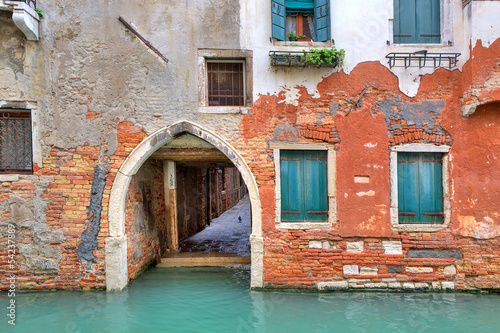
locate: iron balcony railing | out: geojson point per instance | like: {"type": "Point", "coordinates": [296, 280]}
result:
{"type": "Point", "coordinates": [423, 59]}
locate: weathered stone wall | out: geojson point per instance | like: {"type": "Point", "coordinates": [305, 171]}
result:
{"type": "Point", "coordinates": [96, 92]}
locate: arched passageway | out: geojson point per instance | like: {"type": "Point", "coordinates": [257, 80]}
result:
{"type": "Point", "coordinates": [116, 244]}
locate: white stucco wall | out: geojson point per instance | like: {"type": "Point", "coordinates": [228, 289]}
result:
{"type": "Point", "coordinates": [363, 29]}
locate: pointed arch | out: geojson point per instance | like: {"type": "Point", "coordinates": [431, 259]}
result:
{"type": "Point", "coordinates": [116, 243]}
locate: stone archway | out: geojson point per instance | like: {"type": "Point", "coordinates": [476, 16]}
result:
{"type": "Point", "coordinates": [116, 243]}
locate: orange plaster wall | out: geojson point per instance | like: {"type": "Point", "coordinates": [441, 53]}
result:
{"type": "Point", "coordinates": [363, 207]}
{"type": "Point", "coordinates": [475, 173]}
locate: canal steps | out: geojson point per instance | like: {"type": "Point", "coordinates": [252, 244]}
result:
{"type": "Point", "coordinates": [195, 259]}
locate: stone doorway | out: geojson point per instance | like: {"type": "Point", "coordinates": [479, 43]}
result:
{"type": "Point", "coordinates": [173, 151]}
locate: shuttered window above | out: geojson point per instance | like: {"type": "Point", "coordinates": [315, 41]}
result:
{"type": "Point", "coordinates": [319, 9]}
{"type": "Point", "coordinates": [417, 21]}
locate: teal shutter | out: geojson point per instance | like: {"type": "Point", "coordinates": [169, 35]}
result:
{"type": "Point", "coordinates": [428, 18]}
{"type": "Point", "coordinates": [417, 21]}
{"type": "Point", "coordinates": [278, 19]}
{"type": "Point", "coordinates": [315, 186]}
{"type": "Point", "coordinates": [292, 186]}
{"type": "Point", "coordinates": [408, 203]}
{"type": "Point", "coordinates": [420, 189]}
{"type": "Point", "coordinates": [431, 188]}
{"type": "Point", "coordinates": [404, 21]}
{"type": "Point", "coordinates": [304, 186]}
{"type": "Point", "coordinates": [322, 20]}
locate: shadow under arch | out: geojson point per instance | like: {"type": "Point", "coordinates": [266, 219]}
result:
{"type": "Point", "coordinates": [116, 243]}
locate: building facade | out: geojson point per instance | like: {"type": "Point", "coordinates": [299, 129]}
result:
{"type": "Point", "coordinates": [375, 165]}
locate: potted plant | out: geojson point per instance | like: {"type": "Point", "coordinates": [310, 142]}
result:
{"type": "Point", "coordinates": [303, 38]}
{"type": "Point", "coordinates": [292, 36]}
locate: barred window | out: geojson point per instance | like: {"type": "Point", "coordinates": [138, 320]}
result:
{"type": "Point", "coordinates": [226, 86]}
{"type": "Point", "coordinates": [15, 141]}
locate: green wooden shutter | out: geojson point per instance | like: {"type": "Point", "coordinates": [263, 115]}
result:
{"type": "Point", "coordinates": [420, 188]}
{"type": "Point", "coordinates": [417, 21]}
{"type": "Point", "coordinates": [322, 20]}
{"type": "Point", "coordinates": [428, 17]}
{"type": "Point", "coordinates": [292, 185]}
{"type": "Point", "coordinates": [278, 19]}
{"type": "Point", "coordinates": [408, 188]}
{"type": "Point", "coordinates": [404, 21]}
{"type": "Point", "coordinates": [431, 188]}
{"type": "Point", "coordinates": [304, 186]}
{"type": "Point", "coordinates": [315, 186]}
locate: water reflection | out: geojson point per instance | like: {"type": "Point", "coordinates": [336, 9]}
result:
{"type": "Point", "coordinates": [218, 300]}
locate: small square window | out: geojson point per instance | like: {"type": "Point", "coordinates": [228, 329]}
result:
{"type": "Point", "coordinates": [226, 83]}
{"type": "Point", "coordinates": [15, 142]}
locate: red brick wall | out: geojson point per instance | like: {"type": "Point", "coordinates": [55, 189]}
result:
{"type": "Point", "coordinates": [363, 134]}
{"type": "Point", "coordinates": [146, 218]}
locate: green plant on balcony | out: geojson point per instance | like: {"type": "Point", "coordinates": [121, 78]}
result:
{"type": "Point", "coordinates": [319, 57]}
{"type": "Point", "coordinates": [292, 36]}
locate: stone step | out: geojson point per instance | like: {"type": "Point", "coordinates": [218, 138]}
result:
{"type": "Point", "coordinates": [192, 259]}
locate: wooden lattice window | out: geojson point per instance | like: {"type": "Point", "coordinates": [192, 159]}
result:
{"type": "Point", "coordinates": [16, 153]}
{"type": "Point", "coordinates": [226, 83]}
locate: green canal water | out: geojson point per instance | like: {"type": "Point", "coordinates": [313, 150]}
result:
{"type": "Point", "coordinates": [219, 300]}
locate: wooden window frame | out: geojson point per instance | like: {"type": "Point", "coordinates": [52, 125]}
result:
{"type": "Point", "coordinates": [394, 209]}
{"type": "Point", "coordinates": [277, 146]}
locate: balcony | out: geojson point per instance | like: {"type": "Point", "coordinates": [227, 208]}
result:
{"type": "Point", "coordinates": [330, 57]}
{"type": "Point", "coordinates": [24, 16]}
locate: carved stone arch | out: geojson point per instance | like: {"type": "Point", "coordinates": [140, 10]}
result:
{"type": "Point", "coordinates": [116, 243]}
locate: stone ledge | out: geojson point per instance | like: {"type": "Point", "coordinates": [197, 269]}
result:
{"type": "Point", "coordinates": [360, 284]}
{"type": "Point", "coordinates": [24, 17]}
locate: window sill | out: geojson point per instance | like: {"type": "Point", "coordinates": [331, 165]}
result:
{"type": "Point", "coordinates": [419, 227]}
{"type": "Point", "coordinates": [301, 44]}
{"type": "Point", "coordinates": [225, 109]}
{"type": "Point", "coordinates": [303, 225]}
{"type": "Point", "coordinates": [9, 177]}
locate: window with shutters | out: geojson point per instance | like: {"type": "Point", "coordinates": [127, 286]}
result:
{"type": "Point", "coordinates": [420, 188]}
{"type": "Point", "coordinates": [16, 154]}
{"type": "Point", "coordinates": [305, 179]}
{"type": "Point", "coordinates": [417, 22]}
{"type": "Point", "coordinates": [304, 186]}
{"type": "Point", "coordinates": [310, 18]}
{"type": "Point", "coordinates": [419, 193]}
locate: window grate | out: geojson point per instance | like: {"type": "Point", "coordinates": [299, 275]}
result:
{"type": "Point", "coordinates": [15, 142]}
{"type": "Point", "coordinates": [225, 84]}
